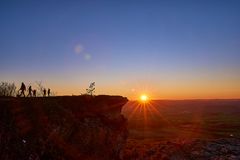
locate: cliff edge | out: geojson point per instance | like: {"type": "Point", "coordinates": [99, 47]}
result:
{"type": "Point", "coordinates": [68, 127]}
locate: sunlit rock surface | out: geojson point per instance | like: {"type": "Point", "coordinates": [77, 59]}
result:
{"type": "Point", "coordinates": [69, 127]}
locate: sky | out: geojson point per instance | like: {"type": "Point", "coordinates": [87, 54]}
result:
{"type": "Point", "coordinates": [167, 49]}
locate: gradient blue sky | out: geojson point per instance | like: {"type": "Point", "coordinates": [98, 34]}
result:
{"type": "Point", "coordinates": [167, 49]}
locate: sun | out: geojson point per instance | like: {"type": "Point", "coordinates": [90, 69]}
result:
{"type": "Point", "coordinates": [144, 98]}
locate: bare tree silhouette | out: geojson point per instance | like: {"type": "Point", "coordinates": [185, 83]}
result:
{"type": "Point", "coordinates": [91, 89]}
{"type": "Point", "coordinates": [7, 89]}
{"type": "Point", "coordinates": [40, 88]}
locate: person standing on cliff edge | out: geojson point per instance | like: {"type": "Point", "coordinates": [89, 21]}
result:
{"type": "Point", "coordinates": [44, 92]}
{"type": "Point", "coordinates": [29, 91]}
{"type": "Point", "coordinates": [22, 89]}
{"type": "Point", "coordinates": [48, 92]}
{"type": "Point", "coordinates": [34, 93]}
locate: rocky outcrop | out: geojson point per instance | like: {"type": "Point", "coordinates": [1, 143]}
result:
{"type": "Point", "coordinates": [69, 127]}
{"type": "Point", "coordinates": [218, 149]}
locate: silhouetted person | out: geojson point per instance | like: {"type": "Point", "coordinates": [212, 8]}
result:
{"type": "Point", "coordinates": [22, 89]}
{"type": "Point", "coordinates": [44, 92]}
{"type": "Point", "coordinates": [30, 91]}
{"type": "Point", "coordinates": [48, 92]}
{"type": "Point", "coordinates": [34, 93]}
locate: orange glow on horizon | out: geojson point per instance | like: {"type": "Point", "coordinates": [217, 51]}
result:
{"type": "Point", "coordinates": [161, 91]}
{"type": "Point", "coordinates": [148, 110]}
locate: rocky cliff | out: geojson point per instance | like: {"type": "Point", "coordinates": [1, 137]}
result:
{"type": "Point", "coordinates": [69, 127]}
{"type": "Point", "coordinates": [199, 149]}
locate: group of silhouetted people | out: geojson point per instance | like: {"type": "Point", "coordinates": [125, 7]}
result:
{"type": "Point", "coordinates": [31, 92]}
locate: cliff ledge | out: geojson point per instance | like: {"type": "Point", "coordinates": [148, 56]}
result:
{"type": "Point", "coordinates": [68, 127]}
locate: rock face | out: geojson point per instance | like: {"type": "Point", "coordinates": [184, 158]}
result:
{"type": "Point", "coordinates": [72, 128]}
{"type": "Point", "coordinates": [215, 149]}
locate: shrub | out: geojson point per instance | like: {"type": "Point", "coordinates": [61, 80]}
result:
{"type": "Point", "coordinates": [7, 89]}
